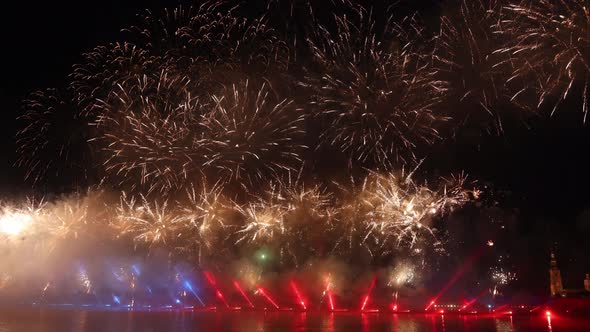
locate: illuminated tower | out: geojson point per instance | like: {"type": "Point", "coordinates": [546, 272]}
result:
{"type": "Point", "coordinates": [587, 282]}
{"type": "Point", "coordinates": [555, 277]}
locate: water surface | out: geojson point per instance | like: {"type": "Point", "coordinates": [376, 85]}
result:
{"type": "Point", "coordinates": [57, 320]}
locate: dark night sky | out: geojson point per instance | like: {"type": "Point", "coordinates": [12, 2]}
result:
{"type": "Point", "coordinates": [545, 169]}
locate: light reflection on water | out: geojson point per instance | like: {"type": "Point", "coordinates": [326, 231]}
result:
{"type": "Point", "coordinates": [45, 320]}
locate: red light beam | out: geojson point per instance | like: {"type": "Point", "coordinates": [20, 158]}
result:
{"type": "Point", "coordinates": [366, 298]}
{"type": "Point", "coordinates": [243, 293]}
{"type": "Point", "coordinates": [328, 293]}
{"type": "Point", "coordinates": [331, 300]}
{"type": "Point", "coordinates": [267, 297]}
{"type": "Point", "coordinates": [466, 266]}
{"type": "Point", "coordinates": [218, 293]}
{"type": "Point", "coordinates": [468, 304]}
{"type": "Point", "coordinates": [299, 298]}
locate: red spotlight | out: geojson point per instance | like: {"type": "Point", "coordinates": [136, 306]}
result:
{"type": "Point", "coordinates": [547, 313]}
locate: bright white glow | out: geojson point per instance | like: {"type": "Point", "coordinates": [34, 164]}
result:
{"type": "Point", "coordinates": [14, 223]}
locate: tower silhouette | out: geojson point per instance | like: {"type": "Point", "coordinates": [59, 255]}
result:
{"type": "Point", "coordinates": [555, 277]}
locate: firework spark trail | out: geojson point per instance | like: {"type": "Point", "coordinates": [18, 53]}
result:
{"type": "Point", "coordinates": [66, 221]}
{"type": "Point", "coordinates": [500, 276]}
{"type": "Point", "coordinates": [549, 39]}
{"type": "Point", "coordinates": [372, 90]}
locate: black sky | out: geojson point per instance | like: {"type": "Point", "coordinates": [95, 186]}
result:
{"type": "Point", "coordinates": [545, 169]}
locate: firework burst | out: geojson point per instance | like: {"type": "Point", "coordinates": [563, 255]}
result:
{"type": "Point", "coordinates": [371, 89]}
{"type": "Point", "coordinates": [466, 60]}
{"type": "Point", "coordinates": [213, 43]}
{"type": "Point", "coordinates": [163, 34]}
{"type": "Point", "coordinates": [52, 145]}
{"type": "Point", "coordinates": [103, 68]}
{"type": "Point", "coordinates": [391, 211]}
{"type": "Point", "coordinates": [264, 223]}
{"type": "Point", "coordinates": [550, 41]}
{"type": "Point", "coordinates": [402, 275]}
{"type": "Point", "coordinates": [207, 220]}
{"type": "Point", "coordinates": [256, 135]}
{"type": "Point", "coordinates": [149, 223]}
{"type": "Point", "coordinates": [146, 135]}
{"type": "Point", "coordinates": [68, 220]}
{"type": "Point", "coordinates": [289, 217]}
{"type": "Point", "coordinates": [14, 222]}
{"type": "Point", "coordinates": [156, 135]}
